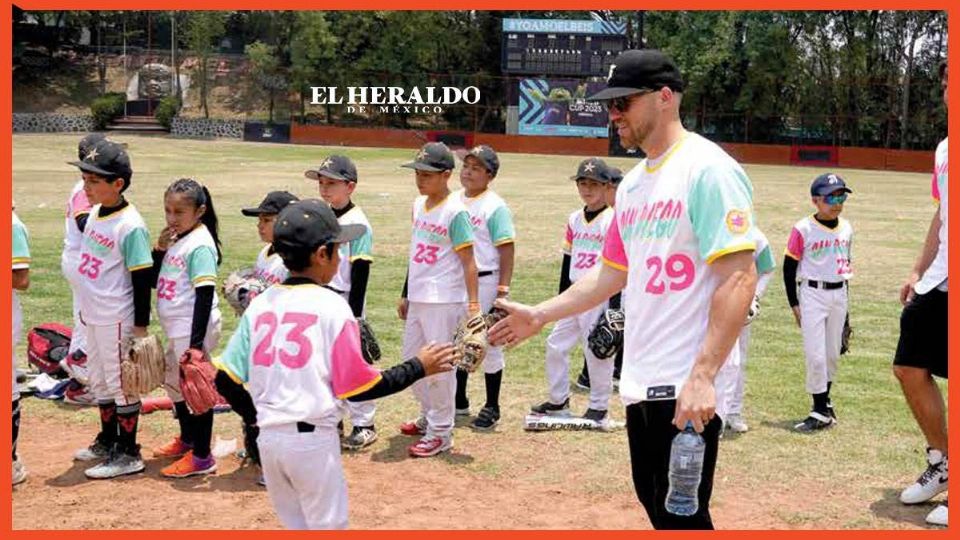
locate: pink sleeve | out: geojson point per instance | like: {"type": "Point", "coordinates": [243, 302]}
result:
{"type": "Point", "coordinates": [568, 238]}
{"type": "Point", "coordinates": [350, 374]}
{"type": "Point", "coordinates": [935, 188]}
{"type": "Point", "coordinates": [613, 252]}
{"type": "Point", "coordinates": [80, 204]}
{"type": "Point", "coordinates": [795, 244]}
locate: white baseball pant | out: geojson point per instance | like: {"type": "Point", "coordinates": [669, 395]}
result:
{"type": "Point", "coordinates": [175, 349]}
{"type": "Point", "coordinates": [731, 378]}
{"type": "Point", "coordinates": [494, 361]}
{"type": "Point", "coordinates": [437, 323]}
{"type": "Point", "coordinates": [304, 476]}
{"type": "Point", "coordinates": [78, 339]}
{"type": "Point", "coordinates": [107, 346]}
{"type": "Point", "coordinates": [361, 413]}
{"type": "Point", "coordinates": [822, 313]}
{"type": "Point", "coordinates": [565, 335]}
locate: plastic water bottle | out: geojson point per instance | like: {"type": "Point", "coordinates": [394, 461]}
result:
{"type": "Point", "coordinates": [686, 466]}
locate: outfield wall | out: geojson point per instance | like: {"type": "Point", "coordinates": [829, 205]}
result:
{"type": "Point", "coordinates": [766, 154]}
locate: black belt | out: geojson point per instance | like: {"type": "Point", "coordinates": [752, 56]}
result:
{"type": "Point", "coordinates": [303, 427]}
{"type": "Point", "coordinates": [826, 285]}
{"type": "Point", "coordinates": [485, 273]}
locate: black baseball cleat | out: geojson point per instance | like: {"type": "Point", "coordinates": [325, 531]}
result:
{"type": "Point", "coordinates": [596, 415]}
{"type": "Point", "coordinates": [551, 408]}
{"type": "Point", "coordinates": [814, 422]}
{"type": "Point", "coordinates": [583, 381]}
{"type": "Point", "coordinates": [486, 419]}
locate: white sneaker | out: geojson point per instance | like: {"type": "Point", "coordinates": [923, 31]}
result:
{"type": "Point", "coordinates": [119, 464]}
{"type": "Point", "coordinates": [19, 472]}
{"type": "Point", "coordinates": [737, 424]}
{"type": "Point", "coordinates": [932, 482]}
{"type": "Point", "coordinates": [938, 516]}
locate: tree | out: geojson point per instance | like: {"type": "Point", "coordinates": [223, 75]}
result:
{"type": "Point", "coordinates": [265, 71]}
{"type": "Point", "coordinates": [313, 51]}
{"type": "Point", "coordinates": [202, 30]}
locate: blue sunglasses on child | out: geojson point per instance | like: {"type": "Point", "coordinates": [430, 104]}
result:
{"type": "Point", "coordinates": [835, 199]}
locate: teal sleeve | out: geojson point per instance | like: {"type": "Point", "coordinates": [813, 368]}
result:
{"type": "Point", "coordinates": [500, 226]}
{"type": "Point", "coordinates": [362, 248]}
{"type": "Point", "coordinates": [235, 359]}
{"type": "Point", "coordinates": [461, 231]}
{"type": "Point", "coordinates": [202, 263]}
{"type": "Point", "coordinates": [21, 247]}
{"type": "Point", "coordinates": [765, 261]}
{"type": "Point", "coordinates": [721, 211]}
{"type": "Point", "coordinates": [136, 249]}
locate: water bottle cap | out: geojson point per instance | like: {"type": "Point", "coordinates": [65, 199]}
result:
{"type": "Point", "coordinates": [689, 425]}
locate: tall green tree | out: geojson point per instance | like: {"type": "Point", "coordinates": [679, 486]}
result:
{"type": "Point", "coordinates": [203, 29]}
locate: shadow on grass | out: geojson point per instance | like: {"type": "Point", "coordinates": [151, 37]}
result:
{"type": "Point", "coordinates": [890, 507]}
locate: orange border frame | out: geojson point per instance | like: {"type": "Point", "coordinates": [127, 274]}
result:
{"type": "Point", "coordinates": [6, 141]}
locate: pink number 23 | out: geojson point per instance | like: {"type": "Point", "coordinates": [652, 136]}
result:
{"type": "Point", "coordinates": [266, 351]}
{"type": "Point", "coordinates": [679, 268]}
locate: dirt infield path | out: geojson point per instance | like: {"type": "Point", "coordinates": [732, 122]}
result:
{"type": "Point", "coordinates": [390, 491]}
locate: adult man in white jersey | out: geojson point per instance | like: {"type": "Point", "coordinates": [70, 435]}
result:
{"type": "Point", "coordinates": [681, 245]}
{"type": "Point", "coordinates": [922, 350]}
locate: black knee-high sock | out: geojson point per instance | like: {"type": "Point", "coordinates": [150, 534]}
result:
{"type": "Point", "coordinates": [492, 381]}
{"type": "Point", "coordinates": [16, 426]}
{"type": "Point", "coordinates": [820, 403]}
{"type": "Point", "coordinates": [108, 422]}
{"type": "Point", "coordinates": [203, 431]}
{"type": "Point", "coordinates": [128, 417]}
{"type": "Point", "coordinates": [585, 372]}
{"type": "Point", "coordinates": [618, 364]}
{"type": "Point", "coordinates": [187, 422]}
{"type": "Point", "coordinates": [829, 386]}
{"type": "Point", "coordinates": [461, 399]}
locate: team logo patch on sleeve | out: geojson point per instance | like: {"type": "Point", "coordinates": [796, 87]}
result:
{"type": "Point", "coordinates": [737, 221]}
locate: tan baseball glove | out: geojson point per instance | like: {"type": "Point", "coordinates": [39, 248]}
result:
{"type": "Point", "coordinates": [241, 287]}
{"type": "Point", "coordinates": [471, 342]}
{"type": "Point", "coordinates": [141, 372]}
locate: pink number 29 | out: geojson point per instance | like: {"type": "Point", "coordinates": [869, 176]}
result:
{"type": "Point", "coordinates": [267, 351]}
{"type": "Point", "coordinates": [679, 268]}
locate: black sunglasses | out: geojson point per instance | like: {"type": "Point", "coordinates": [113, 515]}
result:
{"type": "Point", "coordinates": [622, 103]}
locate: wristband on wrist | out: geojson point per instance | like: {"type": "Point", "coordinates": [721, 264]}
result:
{"type": "Point", "coordinates": [473, 307]}
{"type": "Point", "coordinates": [503, 288]}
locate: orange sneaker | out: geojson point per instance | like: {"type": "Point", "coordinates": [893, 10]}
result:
{"type": "Point", "coordinates": [189, 465]}
{"type": "Point", "coordinates": [174, 448]}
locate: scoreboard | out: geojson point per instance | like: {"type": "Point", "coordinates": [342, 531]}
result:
{"type": "Point", "coordinates": [584, 48]}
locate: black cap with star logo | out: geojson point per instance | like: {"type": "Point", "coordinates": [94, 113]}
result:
{"type": "Point", "coordinates": [335, 167]}
{"type": "Point", "coordinates": [593, 169]}
{"type": "Point", "coordinates": [487, 157]}
{"type": "Point", "coordinates": [107, 159]}
{"type": "Point", "coordinates": [432, 157]}
{"type": "Point", "coordinates": [635, 71]}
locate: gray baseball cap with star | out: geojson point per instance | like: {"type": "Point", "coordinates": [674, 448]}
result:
{"type": "Point", "coordinates": [594, 169]}
{"type": "Point", "coordinates": [432, 157]}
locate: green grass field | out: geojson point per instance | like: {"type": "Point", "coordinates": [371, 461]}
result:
{"type": "Point", "coordinates": [847, 477]}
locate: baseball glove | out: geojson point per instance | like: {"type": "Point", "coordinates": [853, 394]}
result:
{"type": "Point", "coordinates": [754, 310]}
{"type": "Point", "coordinates": [471, 343]}
{"type": "Point", "coordinates": [845, 337]}
{"type": "Point", "coordinates": [494, 316]}
{"type": "Point", "coordinates": [197, 374]}
{"type": "Point", "coordinates": [141, 372]}
{"type": "Point", "coordinates": [241, 287]}
{"type": "Point", "coordinates": [368, 342]}
{"type": "Point", "coordinates": [606, 338]}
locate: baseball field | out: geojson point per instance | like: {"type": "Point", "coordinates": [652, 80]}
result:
{"type": "Point", "coordinates": [771, 477]}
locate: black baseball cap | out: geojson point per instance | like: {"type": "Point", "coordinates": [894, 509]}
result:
{"type": "Point", "coordinates": [273, 203]}
{"type": "Point", "coordinates": [432, 157]}
{"type": "Point", "coordinates": [487, 156]}
{"type": "Point", "coordinates": [335, 167]}
{"type": "Point", "coordinates": [309, 224]}
{"type": "Point", "coordinates": [594, 169]}
{"type": "Point", "coordinates": [87, 143]}
{"type": "Point", "coordinates": [616, 175]}
{"type": "Point", "coordinates": [634, 71]}
{"type": "Point", "coordinates": [826, 184]}
{"type": "Point", "coordinates": [107, 159]}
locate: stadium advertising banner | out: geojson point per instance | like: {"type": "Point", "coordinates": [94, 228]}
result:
{"type": "Point", "coordinates": [558, 107]}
